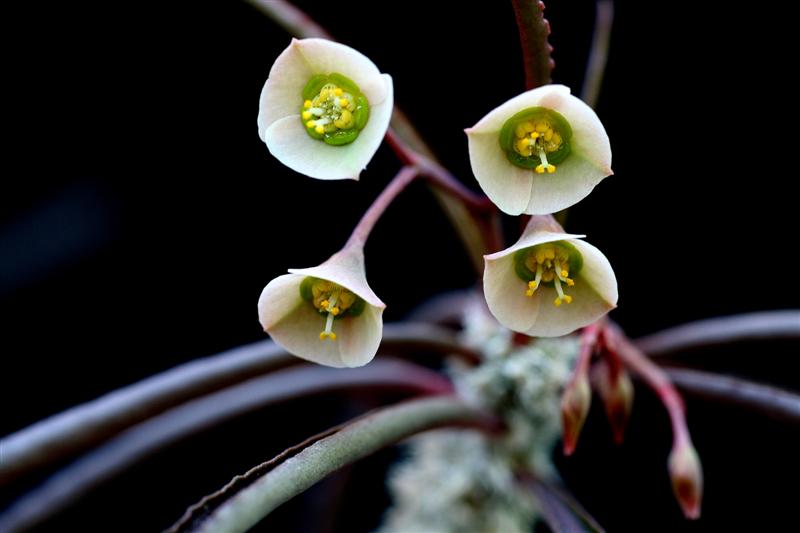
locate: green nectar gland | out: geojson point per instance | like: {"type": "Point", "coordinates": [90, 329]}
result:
{"type": "Point", "coordinates": [550, 264]}
{"type": "Point", "coordinates": [332, 301]}
{"type": "Point", "coordinates": [334, 110]}
{"type": "Point", "coordinates": [536, 138]}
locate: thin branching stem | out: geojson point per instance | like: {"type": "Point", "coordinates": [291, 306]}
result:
{"type": "Point", "coordinates": [656, 379]}
{"type": "Point", "coordinates": [140, 441]}
{"type": "Point", "coordinates": [381, 203]}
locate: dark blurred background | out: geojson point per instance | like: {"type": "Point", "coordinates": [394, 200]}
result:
{"type": "Point", "coordinates": [141, 216]}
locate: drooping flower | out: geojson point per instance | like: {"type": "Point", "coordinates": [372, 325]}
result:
{"type": "Point", "coordinates": [324, 109]}
{"type": "Point", "coordinates": [326, 314]}
{"type": "Point", "coordinates": [540, 152]}
{"type": "Point", "coordinates": [549, 283]}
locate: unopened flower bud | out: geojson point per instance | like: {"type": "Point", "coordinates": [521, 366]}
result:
{"type": "Point", "coordinates": [686, 474]}
{"type": "Point", "coordinates": [575, 403]}
{"type": "Point", "coordinates": [616, 390]}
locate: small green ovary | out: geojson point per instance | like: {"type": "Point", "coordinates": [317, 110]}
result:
{"type": "Point", "coordinates": [549, 264]}
{"type": "Point", "coordinates": [334, 110]}
{"type": "Point", "coordinates": [536, 138]}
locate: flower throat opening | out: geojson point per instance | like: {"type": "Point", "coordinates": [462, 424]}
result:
{"type": "Point", "coordinates": [334, 110]}
{"type": "Point", "coordinates": [331, 300]}
{"type": "Point", "coordinates": [536, 138]}
{"type": "Point", "coordinates": [549, 264]}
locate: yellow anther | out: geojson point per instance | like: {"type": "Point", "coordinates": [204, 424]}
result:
{"type": "Point", "coordinates": [320, 129]}
{"type": "Point", "coordinates": [548, 135]}
{"type": "Point", "coordinates": [556, 139]}
{"type": "Point", "coordinates": [551, 169]}
{"type": "Point", "coordinates": [557, 302]}
{"type": "Point", "coordinates": [540, 257]}
{"type": "Point", "coordinates": [523, 146]}
{"type": "Point", "coordinates": [539, 169]}
{"type": "Point", "coordinates": [322, 335]}
{"type": "Point", "coordinates": [332, 335]}
{"type": "Point", "coordinates": [534, 135]}
{"type": "Point", "coordinates": [306, 115]}
{"type": "Point", "coordinates": [542, 127]}
{"type": "Point", "coordinates": [533, 284]}
{"type": "Point", "coordinates": [520, 132]}
{"type": "Point", "coordinates": [334, 311]}
{"type": "Point", "coordinates": [324, 304]}
{"type": "Point", "coordinates": [564, 273]}
{"type": "Point", "coordinates": [307, 104]}
{"type": "Point", "coordinates": [550, 253]}
{"type": "Point", "coordinates": [343, 102]}
{"type": "Point", "coordinates": [568, 298]}
{"type": "Point", "coordinates": [570, 282]}
{"type": "Point", "coordinates": [338, 92]}
{"type": "Point", "coordinates": [324, 94]}
{"type": "Point", "coordinates": [344, 120]}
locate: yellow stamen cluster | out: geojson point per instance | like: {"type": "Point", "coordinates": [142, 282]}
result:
{"type": "Point", "coordinates": [537, 138]}
{"type": "Point", "coordinates": [330, 299]}
{"type": "Point", "coordinates": [331, 110]}
{"type": "Point", "coordinates": [550, 262]}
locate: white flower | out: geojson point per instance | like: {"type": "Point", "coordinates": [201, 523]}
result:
{"type": "Point", "coordinates": [324, 109]}
{"type": "Point", "coordinates": [540, 152]}
{"type": "Point", "coordinates": [326, 314]}
{"type": "Point", "coordinates": [525, 285]}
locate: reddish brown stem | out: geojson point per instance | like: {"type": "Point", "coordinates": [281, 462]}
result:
{"type": "Point", "coordinates": [533, 32]}
{"type": "Point", "coordinates": [368, 220]}
{"type": "Point", "coordinates": [656, 379]}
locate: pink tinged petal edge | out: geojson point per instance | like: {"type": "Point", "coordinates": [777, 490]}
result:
{"type": "Point", "coordinates": [505, 295]}
{"type": "Point", "coordinates": [506, 185]}
{"type": "Point", "coordinates": [347, 269]}
{"type": "Point", "coordinates": [532, 237]}
{"type": "Point", "coordinates": [598, 273]}
{"type": "Point", "coordinates": [282, 93]}
{"type": "Point", "coordinates": [574, 179]}
{"type": "Point", "coordinates": [278, 299]}
{"type": "Point", "coordinates": [288, 141]}
{"type": "Point", "coordinates": [590, 140]}
{"type": "Point", "coordinates": [546, 96]}
{"type": "Point", "coordinates": [326, 57]}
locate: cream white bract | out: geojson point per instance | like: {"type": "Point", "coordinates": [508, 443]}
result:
{"type": "Point", "coordinates": [324, 109]}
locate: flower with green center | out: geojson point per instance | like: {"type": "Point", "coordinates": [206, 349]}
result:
{"type": "Point", "coordinates": [326, 314]}
{"type": "Point", "coordinates": [324, 109]}
{"type": "Point", "coordinates": [540, 152]}
{"type": "Point", "coordinates": [549, 283]}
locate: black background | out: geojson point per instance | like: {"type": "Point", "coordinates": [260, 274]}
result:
{"type": "Point", "coordinates": [140, 216]}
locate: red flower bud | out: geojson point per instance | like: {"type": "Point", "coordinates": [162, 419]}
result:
{"type": "Point", "coordinates": [687, 478]}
